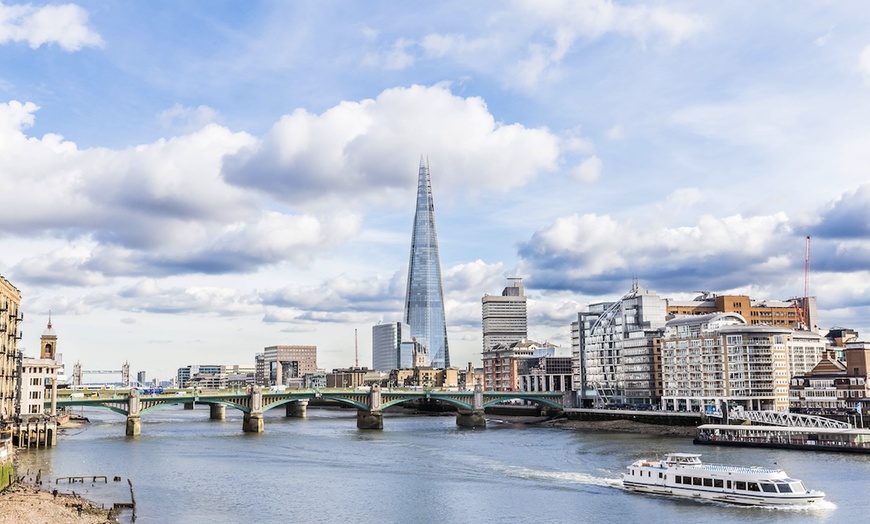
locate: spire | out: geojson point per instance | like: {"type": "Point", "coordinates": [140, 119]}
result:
{"type": "Point", "coordinates": [49, 319]}
{"type": "Point", "coordinates": [424, 301]}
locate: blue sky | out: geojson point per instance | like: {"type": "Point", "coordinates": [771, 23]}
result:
{"type": "Point", "coordinates": [190, 182]}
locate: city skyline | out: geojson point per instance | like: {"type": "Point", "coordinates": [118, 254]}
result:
{"type": "Point", "coordinates": [191, 184]}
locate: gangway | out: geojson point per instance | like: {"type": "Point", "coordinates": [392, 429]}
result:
{"type": "Point", "coordinates": [784, 418]}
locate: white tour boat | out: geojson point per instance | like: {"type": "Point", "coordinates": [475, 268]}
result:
{"type": "Point", "coordinates": [684, 475]}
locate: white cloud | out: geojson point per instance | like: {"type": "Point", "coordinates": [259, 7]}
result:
{"type": "Point", "coordinates": [616, 132]}
{"type": "Point", "coordinates": [684, 197]}
{"type": "Point", "coordinates": [589, 170]}
{"type": "Point", "coordinates": [65, 25]}
{"type": "Point", "coordinates": [187, 119]}
{"type": "Point", "coordinates": [354, 151]}
{"type": "Point", "coordinates": [564, 22]}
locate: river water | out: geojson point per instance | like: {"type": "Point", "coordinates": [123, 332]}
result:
{"type": "Point", "coordinates": [186, 468]}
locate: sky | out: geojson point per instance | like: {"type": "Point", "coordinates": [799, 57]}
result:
{"type": "Point", "coordinates": [189, 182]}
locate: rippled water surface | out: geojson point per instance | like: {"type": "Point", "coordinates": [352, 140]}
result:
{"type": "Point", "coordinates": [186, 468]}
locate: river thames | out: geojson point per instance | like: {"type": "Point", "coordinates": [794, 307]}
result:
{"type": "Point", "coordinates": [186, 468]}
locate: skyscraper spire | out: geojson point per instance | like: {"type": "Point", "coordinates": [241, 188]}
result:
{"type": "Point", "coordinates": [424, 301]}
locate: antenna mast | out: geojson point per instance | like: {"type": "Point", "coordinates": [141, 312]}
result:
{"type": "Point", "coordinates": [805, 308]}
{"type": "Point", "coordinates": [355, 349]}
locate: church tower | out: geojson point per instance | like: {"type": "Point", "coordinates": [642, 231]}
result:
{"type": "Point", "coordinates": [48, 342]}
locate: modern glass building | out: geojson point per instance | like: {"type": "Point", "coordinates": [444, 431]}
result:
{"type": "Point", "coordinates": [392, 347]}
{"type": "Point", "coordinates": [424, 301]}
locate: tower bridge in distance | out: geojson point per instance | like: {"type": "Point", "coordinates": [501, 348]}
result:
{"type": "Point", "coordinates": [254, 403]}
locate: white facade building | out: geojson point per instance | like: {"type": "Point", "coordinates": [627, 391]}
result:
{"type": "Point", "coordinates": [712, 360]}
{"type": "Point", "coordinates": [505, 317]}
{"type": "Point", "coordinates": [38, 384]}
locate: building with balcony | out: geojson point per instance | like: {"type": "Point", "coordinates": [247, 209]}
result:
{"type": "Point", "coordinates": [10, 316]}
{"type": "Point", "coordinates": [712, 360]}
{"type": "Point", "coordinates": [615, 350]}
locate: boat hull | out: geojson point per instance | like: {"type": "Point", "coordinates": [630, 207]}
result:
{"type": "Point", "coordinates": [717, 496]}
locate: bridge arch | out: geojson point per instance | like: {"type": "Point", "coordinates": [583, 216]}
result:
{"type": "Point", "coordinates": [545, 402]}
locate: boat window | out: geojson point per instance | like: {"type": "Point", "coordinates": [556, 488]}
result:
{"type": "Point", "coordinates": [660, 474]}
{"type": "Point", "coordinates": [729, 484]}
{"type": "Point", "coordinates": [740, 484]}
{"type": "Point", "coordinates": [784, 488]}
{"type": "Point", "coordinates": [678, 479]}
{"type": "Point", "coordinates": [687, 480]}
{"type": "Point", "coordinates": [708, 483]}
{"type": "Point", "coordinates": [798, 487]}
{"type": "Point", "coordinates": [717, 483]}
{"type": "Point", "coordinates": [696, 481]}
{"type": "Point", "coordinates": [768, 488]}
{"type": "Point", "coordinates": [753, 486]}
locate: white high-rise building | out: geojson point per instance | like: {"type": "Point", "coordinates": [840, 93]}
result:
{"type": "Point", "coordinates": [392, 346]}
{"type": "Point", "coordinates": [505, 317]}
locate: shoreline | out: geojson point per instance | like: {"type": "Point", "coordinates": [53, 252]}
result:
{"type": "Point", "coordinates": [23, 503]}
{"type": "Point", "coordinates": [621, 426]}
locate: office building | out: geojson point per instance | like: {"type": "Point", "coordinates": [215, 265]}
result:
{"type": "Point", "coordinates": [782, 313]}
{"type": "Point", "coordinates": [615, 350]}
{"type": "Point", "coordinates": [287, 365]}
{"type": "Point", "coordinates": [424, 300]}
{"type": "Point", "coordinates": [505, 317]}
{"type": "Point", "coordinates": [392, 346]}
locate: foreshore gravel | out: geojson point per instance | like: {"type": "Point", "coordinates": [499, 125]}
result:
{"type": "Point", "coordinates": [26, 504]}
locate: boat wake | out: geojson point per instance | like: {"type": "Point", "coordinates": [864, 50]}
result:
{"type": "Point", "coordinates": [561, 477]}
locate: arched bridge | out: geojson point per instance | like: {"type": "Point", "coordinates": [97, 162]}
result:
{"type": "Point", "coordinates": [369, 403]}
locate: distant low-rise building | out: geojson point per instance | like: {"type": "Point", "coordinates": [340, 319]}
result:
{"type": "Point", "coordinates": [545, 374]}
{"type": "Point", "coordinates": [835, 385]}
{"type": "Point", "coordinates": [287, 365]}
{"type": "Point", "coordinates": [501, 363]}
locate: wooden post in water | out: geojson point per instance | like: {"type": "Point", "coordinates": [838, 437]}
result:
{"type": "Point", "coordinates": [132, 498]}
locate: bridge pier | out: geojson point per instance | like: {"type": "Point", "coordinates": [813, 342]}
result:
{"type": "Point", "coordinates": [189, 405]}
{"type": "Point", "coordinates": [134, 408]}
{"type": "Point", "coordinates": [253, 423]}
{"type": "Point", "coordinates": [471, 419]}
{"type": "Point", "coordinates": [297, 409]}
{"type": "Point", "coordinates": [217, 412]}
{"type": "Point", "coordinates": [253, 420]}
{"type": "Point", "coordinates": [369, 419]}
{"type": "Point", "coordinates": [134, 425]}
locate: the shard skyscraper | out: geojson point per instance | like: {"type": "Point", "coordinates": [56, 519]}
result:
{"type": "Point", "coordinates": [424, 302]}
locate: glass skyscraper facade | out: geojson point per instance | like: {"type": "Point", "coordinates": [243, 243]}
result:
{"type": "Point", "coordinates": [424, 301]}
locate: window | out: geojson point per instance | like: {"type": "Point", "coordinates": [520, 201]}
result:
{"type": "Point", "coordinates": [717, 483]}
{"type": "Point", "coordinates": [753, 486]}
{"type": "Point", "coordinates": [696, 481]}
{"type": "Point", "coordinates": [784, 488]}
{"type": "Point", "coordinates": [678, 479]}
{"type": "Point", "coordinates": [740, 485]}
{"type": "Point", "coordinates": [768, 488]}
{"type": "Point", "coordinates": [708, 483]}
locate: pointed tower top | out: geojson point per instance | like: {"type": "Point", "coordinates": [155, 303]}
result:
{"type": "Point", "coordinates": [49, 331]}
